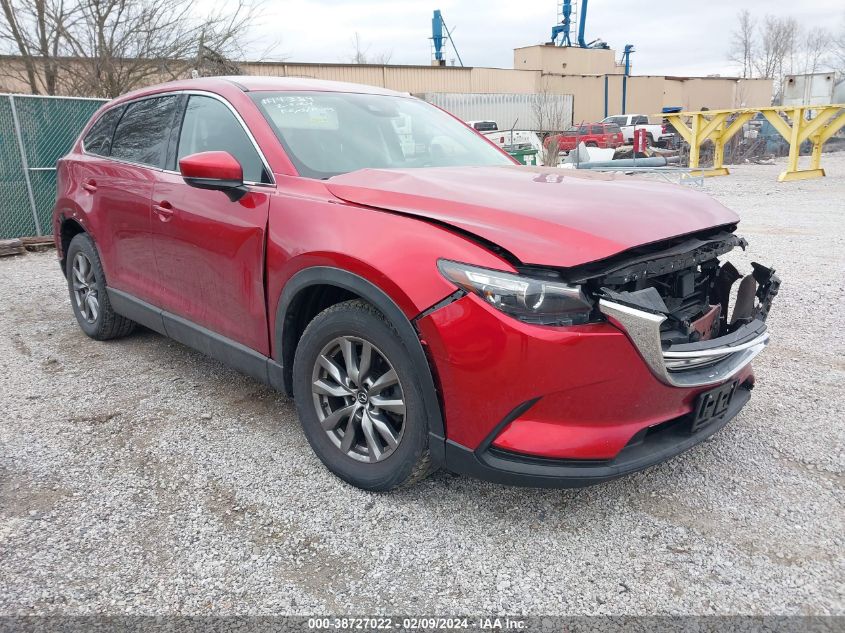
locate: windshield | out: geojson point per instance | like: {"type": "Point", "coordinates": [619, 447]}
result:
{"type": "Point", "coordinates": [330, 133]}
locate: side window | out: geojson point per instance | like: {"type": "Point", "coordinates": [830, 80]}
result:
{"type": "Point", "coordinates": [143, 132]}
{"type": "Point", "coordinates": [98, 139]}
{"type": "Point", "coordinates": [596, 129]}
{"type": "Point", "coordinates": [620, 120]}
{"type": "Point", "coordinates": [640, 120]}
{"type": "Point", "coordinates": [209, 126]}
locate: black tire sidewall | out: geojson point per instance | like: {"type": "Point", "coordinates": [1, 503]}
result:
{"type": "Point", "coordinates": [351, 319]}
{"type": "Point", "coordinates": [83, 243]}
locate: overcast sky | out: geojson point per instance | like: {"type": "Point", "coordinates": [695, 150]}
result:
{"type": "Point", "coordinates": [683, 37]}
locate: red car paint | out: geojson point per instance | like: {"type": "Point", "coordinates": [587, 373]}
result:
{"type": "Point", "coordinates": [595, 391]}
{"type": "Point", "coordinates": [210, 165]}
{"type": "Point", "coordinates": [544, 218]}
{"type": "Point", "coordinates": [224, 265]}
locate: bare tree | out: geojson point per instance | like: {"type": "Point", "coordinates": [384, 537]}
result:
{"type": "Point", "coordinates": [743, 43]}
{"type": "Point", "coordinates": [106, 47]}
{"type": "Point", "coordinates": [837, 53]}
{"type": "Point", "coordinates": [777, 46]}
{"type": "Point", "coordinates": [33, 31]}
{"type": "Point", "coordinates": [361, 53]}
{"type": "Point", "coordinates": [128, 43]}
{"type": "Point", "coordinates": [550, 118]}
{"type": "Point", "coordinates": [815, 46]}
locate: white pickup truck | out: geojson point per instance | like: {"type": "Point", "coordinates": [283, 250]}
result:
{"type": "Point", "coordinates": [656, 133]}
{"type": "Point", "coordinates": [518, 139]}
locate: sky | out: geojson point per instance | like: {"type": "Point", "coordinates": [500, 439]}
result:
{"type": "Point", "coordinates": [682, 37]}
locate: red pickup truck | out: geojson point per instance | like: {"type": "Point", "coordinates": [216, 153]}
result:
{"type": "Point", "coordinates": [604, 135]}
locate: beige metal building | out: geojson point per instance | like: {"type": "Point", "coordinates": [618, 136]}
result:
{"type": "Point", "coordinates": [592, 76]}
{"type": "Point", "coordinates": [587, 74]}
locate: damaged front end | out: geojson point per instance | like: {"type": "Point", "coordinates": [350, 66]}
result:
{"type": "Point", "coordinates": [674, 304]}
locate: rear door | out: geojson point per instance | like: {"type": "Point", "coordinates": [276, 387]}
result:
{"type": "Point", "coordinates": [209, 251]}
{"type": "Point", "coordinates": [123, 188]}
{"type": "Point", "coordinates": [90, 172]}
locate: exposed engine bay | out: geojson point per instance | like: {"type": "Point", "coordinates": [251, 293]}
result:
{"type": "Point", "coordinates": [685, 281]}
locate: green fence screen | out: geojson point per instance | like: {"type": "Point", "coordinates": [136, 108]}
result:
{"type": "Point", "coordinates": [35, 132]}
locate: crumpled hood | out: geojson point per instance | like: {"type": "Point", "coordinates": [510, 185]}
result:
{"type": "Point", "coordinates": [547, 217]}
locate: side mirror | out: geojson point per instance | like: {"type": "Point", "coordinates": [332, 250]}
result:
{"type": "Point", "coordinates": [218, 171]}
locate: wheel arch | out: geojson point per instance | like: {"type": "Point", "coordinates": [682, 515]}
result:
{"type": "Point", "coordinates": [312, 290]}
{"type": "Point", "coordinates": [68, 229]}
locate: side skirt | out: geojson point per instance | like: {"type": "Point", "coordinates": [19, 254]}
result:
{"type": "Point", "coordinates": [227, 351]}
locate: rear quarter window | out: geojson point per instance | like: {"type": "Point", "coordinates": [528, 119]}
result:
{"type": "Point", "coordinates": [99, 137]}
{"type": "Point", "coordinates": [612, 128]}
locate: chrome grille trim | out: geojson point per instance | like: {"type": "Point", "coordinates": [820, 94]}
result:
{"type": "Point", "coordinates": [685, 368]}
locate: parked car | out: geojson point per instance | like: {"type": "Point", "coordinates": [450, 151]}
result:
{"type": "Point", "coordinates": [427, 304]}
{"type": "Point", "coordinates": [483, 126]}
{"type": "Point", "coordinates": [657, 134]}
{"type": "Point", "coordinates": [603, 135]}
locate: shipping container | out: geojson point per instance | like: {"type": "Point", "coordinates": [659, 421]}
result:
{"type": "Point", "coordinates": [543, 112]}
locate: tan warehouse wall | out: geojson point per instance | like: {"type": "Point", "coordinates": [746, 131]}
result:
{"type": "Point", "coordinates": [646, 94]}
{"type": "Point", "coordinates": [567, 60]}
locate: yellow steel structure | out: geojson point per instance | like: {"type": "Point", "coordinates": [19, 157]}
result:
{"type": "Point", "coordinates": [791, 122]}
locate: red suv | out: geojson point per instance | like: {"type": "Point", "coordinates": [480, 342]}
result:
{"type": "Point", "coordinates": [427, 302]}
{"type": "Point", "coordinates": [602, 135]}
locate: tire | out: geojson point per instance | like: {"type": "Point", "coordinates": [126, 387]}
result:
{"type": "Point", "coordinates": [334, 409]}
{"type": "Point", "coordinates": [592, 144]}
{"type": "Point", "coordinates": [88, 297]}
{"type": "Point", "coordinates": [650, 140]}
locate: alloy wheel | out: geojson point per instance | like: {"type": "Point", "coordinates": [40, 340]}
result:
{"type": "Point", "coordinates": [359, 399]}
{"type": "Point", "coordinates": [85, 288]}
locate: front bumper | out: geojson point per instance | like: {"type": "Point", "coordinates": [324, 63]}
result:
{"type": "Point", "coordinates": [552, 406]}
{"type": "Point", "coordinates": [644, 450]}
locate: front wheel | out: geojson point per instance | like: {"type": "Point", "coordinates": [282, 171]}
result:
{"type": "Point", "coordinates": [358, 400]}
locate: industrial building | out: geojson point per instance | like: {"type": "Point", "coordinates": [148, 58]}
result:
{"type": "Point", "coordinates": [588, 77]}
{"type": "Point", "coordinates": [592, 76]}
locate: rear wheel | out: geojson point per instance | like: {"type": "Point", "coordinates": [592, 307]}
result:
{"type": "Point", "coordinates": [358, 399]}
{"type": "Point", "coordinates": [87, 288]}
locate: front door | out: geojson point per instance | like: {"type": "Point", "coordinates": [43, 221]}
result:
{"type": "Point", "coordinates": [209, 250]}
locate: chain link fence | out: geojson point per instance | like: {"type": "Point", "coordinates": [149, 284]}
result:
{"type": "Point", "coordinates": [35, 132]}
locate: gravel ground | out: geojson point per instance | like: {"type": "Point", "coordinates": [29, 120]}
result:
{"type": "Point", "coordinates": [139, 477]}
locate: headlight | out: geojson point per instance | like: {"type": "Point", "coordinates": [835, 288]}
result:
{"type": "Point", "coordinates": [528, 299]}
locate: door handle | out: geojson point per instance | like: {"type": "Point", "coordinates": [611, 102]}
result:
{"type": "Point", "coordinates": [164, 210]}
{"type": "Point", "coordinates": [90, 186]}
